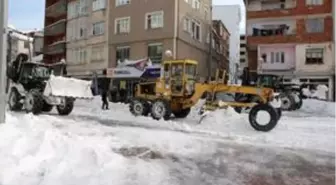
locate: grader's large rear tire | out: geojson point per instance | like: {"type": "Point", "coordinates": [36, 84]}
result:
{"type": "Point", "coordinates": [65, 108]}
{"type": "Point", "coordinates": [161, 109]}
{"type": "Point", "coordinates": [274, 117]}
{"type": "Point", "coordinates": [182, 113]}
{"type": "Point", "coordinates": [34, 102]}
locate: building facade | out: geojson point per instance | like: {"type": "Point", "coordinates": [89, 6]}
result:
{"type": "Point", "coordinates": [293, 38]}
{"type": "Point", "coordinates": [230, 15]}
{"type": "Point", "coordinates": [55, 30]}
{"type": "Point", "coordinates": [94, 34]}
{"type": "Point", "coordinates": [220, 46]}
{"type": "Point", "coordinates": [243, 59]}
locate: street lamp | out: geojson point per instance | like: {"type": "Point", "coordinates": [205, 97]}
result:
{"type": "Point", "coordinates": [3, 61]}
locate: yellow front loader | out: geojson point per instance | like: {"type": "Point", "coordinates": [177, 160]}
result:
{"type": "Point", "coordinates": [177, 90]}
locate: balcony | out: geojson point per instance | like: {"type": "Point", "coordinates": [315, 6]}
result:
{"type": "Point", "coordinates": [55, 48]}
{"type": "Point", "coordinates": [274, 8]}
{"type": "Point", "coordinates": [56, 28]}
{"type": "Point", "coordinates": [57, 9]}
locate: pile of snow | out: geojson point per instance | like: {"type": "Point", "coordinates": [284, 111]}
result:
{"type": "Point", "coordinates": [51, 150]}
{"type": "Point", "coordinates": [320, 92]}
{"type": "Point", "coordinates": [313, 107]}
{"type": "Point", "coordinates": [62, 86]}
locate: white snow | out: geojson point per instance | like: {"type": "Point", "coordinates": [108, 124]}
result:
{"type": "Point", "coordinates": [94, 147]}
{"type": "Point", "coordinates": [294, 130]}
{"type": "Point", "coordinates": [71, 87]}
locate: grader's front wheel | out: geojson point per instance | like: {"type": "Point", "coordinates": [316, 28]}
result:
{"type": "Point", "coordinates": [256, 120]}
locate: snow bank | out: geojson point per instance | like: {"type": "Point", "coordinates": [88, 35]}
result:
{"type": "Point", "coordinates": [52, 150]}
{"type": "Point", "coordinates": [315, 107]}
{"type": "Point", "coordinates": [303, 129]}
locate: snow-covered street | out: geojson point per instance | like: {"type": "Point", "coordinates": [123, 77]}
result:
{"type": "Point", "coordinates": [96, 147]}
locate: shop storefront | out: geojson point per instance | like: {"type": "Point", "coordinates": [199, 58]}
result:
{"type": "Point", "coordinates": [126, 76]}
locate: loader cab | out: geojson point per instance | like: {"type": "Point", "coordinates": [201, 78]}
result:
{"type": "Point", "coordinates": [266, 80]}
{"type": "Point", "coordinates": [179, 76]}
{"type": "Point", "coordinates": [33, 75]}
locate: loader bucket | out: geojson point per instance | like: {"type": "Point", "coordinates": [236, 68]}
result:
{"type": "Point", "coordinates": [68, 87]}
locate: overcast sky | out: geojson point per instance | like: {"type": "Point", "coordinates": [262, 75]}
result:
{"type": "Point", "coordinates": [29, 14]}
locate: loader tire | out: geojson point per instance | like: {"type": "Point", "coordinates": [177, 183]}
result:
{"type": "Point", "coordinates": [66, 108]}
{"type": "Point", "coordinates": [182, 113]}
{"type": "Point", "coordinates": [47, 107]}
{"type": "Point", "coordinates": [279, 111]}
{"type": "Point", "coordinates": [34, 102]}
{"type": "Point", "coordinates": [298, 104]}
{"type": "Point", "coordinates": [287, 101]}
{"type": "Point", "coordinates": [14, 100]}
{"type": "Point", "coordinates": [272, 112]}
{"type": "Point", "coordinates": [139, 107]}
{"type": "Point", "coordinates": [161, 109]}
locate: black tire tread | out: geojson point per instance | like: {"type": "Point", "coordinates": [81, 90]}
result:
{"type": "Point", "coordinates": [69, 105]}
{"type": "Point", "coordinates": [273, 113]}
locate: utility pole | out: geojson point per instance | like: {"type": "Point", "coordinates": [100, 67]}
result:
{"type": "Point", "coordinates": [3, 61]}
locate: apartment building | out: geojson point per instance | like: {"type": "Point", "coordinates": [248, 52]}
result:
{"type": "Point", "coordinates": [243, 59]}
{"type": "Point", "coordinates": [55, 30]}
{"type": "Point", "coordinates": [293, 38]}
{"type": "Point", "coordinates": [100, 32]}
{"type": "Point", "coordinates": [220, 46]}
{"type": "Point", "coordinates": [230, 15]}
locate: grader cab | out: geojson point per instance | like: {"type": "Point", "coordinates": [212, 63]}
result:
{"type": "Point", "coordinates": [177, 90]}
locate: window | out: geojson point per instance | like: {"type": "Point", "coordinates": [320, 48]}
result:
{"type": "Point", "coordinates": [242, 45]}
{"type": "Point", "coordinates": [97, 53]}
{"type": "Point", "coordinates": [83, 7]}
{"type": "Point", "coordinates": [196, 4]}
{"type": "Point", "coordinates": [242, 53]}
{"type": "Point", "coordinates": [26, 44]}
{"type": "Point", "coordinates": [314, 2]}
{"type": "Point", "coordinates": [315, 25]}
{"type": "Point", "coordinates": [98, 5]}
{"type": "Point", "coordinates": [122, 2]}
{"type": "Point", "coordinates": [314, 56]}
{"type": "Point", "coordinates": [122, 25]}
{"type": "Point", "coordinates": [277, 57]}
{"type": "Point", "coordinates": [154, 20]}
{"type": "Point", "coordinates": [242, 60]}
{"type": "Point", "coordinates": [122, 53]}
{"type": "Point", "coordinates": [78, 56]}
{"type": "Point", "coordinates": [186, 24]}
{"type": "Point", "coordinates": [73, 10]}
{"type": "Point", "coordinates": [196, 30]}
{"type": "Point", "coordinates": [98, 28]}
{"type": "Point", "coordinates": [155, 52]}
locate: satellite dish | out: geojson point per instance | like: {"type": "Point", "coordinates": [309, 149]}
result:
{"type": "Point", "coordinates": [168, 53]}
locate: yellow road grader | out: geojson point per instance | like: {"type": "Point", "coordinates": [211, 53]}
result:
{"type": "Point", "coordinates": [177, 90]}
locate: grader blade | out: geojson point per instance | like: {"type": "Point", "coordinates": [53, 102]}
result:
{"type": "Point", "coordinates": [68, 87]}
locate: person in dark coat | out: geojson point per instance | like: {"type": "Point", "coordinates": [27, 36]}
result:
{"type": "Point", "coordinates": [104, 88]}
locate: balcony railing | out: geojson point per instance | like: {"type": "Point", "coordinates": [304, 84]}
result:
{"type": "Point", "coordinates": [57, 9]}
{"type": "Point", "coordinates": [56, 48]}
{"type": "Point", "coordinates": [56, 28]}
